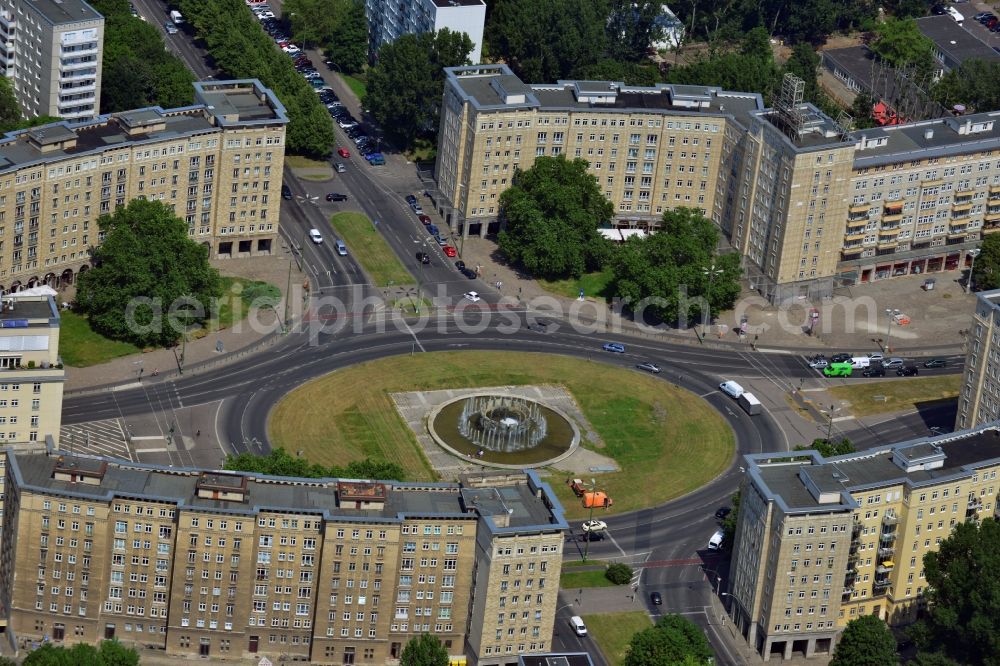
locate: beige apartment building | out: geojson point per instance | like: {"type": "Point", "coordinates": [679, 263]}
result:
{"type": "Point", "coordinates": [979, 397]}
{"type": "Point", "coordinates": [810, 204]}
{"type": "Point", "coordinates": [237, 565]}
{"type": "Point", "coordinates": [820, 542]}
{"type": "Point", "coordinates": [51, 50]}
{"type": "Point", "coordinates": [217, 164]}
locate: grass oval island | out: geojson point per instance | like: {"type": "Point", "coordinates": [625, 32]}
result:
{"type": "Point", "coordinates": [667, 441]}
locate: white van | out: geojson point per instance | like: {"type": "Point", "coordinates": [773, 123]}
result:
{"type": "Point", "coordinates": [578, 626]}
{"type": "Point", "coordinates": [731, 388]}
{"type": "Point", "coordinates": [859, 362]}
{"type": "Point", "coordinates": [955, 14]}
{"type": "Point", "coordinates": [715, 543]}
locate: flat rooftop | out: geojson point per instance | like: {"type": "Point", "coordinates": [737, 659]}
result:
{"type": "Point", "coordinates": [33, 309]}
{"type": "Point", "coordinates": [459, 3]}
{"type": "Point", "coordinates": [940, 137]}
{"type": "Point", "coordinates": [954, 42]}
{"type": "Point", "coordinates": [555, 659]}
{"type": "Point", "coordinates": [319, 496]}
{"type": "Point", "coordinates": [63, 11]}
{"type": "Point", "coordinates": [784, 479]}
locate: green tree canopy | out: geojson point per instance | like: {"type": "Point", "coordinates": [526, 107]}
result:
{"type": "Point", "coordinates": [674, 639]}
{"type": "Point", "coordinates": [424, 650]}
{"type": "Point", "coordinates": [867, 641]}
{"type": "Point", "coordinates": [975, 83]}
{"type": "Point", "coordinates": [963, 595]}
{"type": "Point", "coordinates": [669, 275]}
{"type": "Point", "coordinates": [280, 463]}
{"type": "Point", "coordinates": [986, 272]}
{"type": "Point", "coordinates": [632, 28]}
{"type": "Point", "coordinates": [405, 86]}
{"type": "Point", "coordinates": [313, 22]}
{"type": "Point", "coordinates": [144, 267]}
{"type": "Point", "coordinates": [10, 110]}
{"type": "Point", "coordinates": [552, 213]}
{"type": "Point", "coordinates": [862, 110]}
{"type": "Point", "coordinates": [901, 44]}
{"type": "Point", "coordinates": [618, 573]}
{"type": "Point", "coordinates": [109, 653]}
{"type": "Point", "coordinates": [348, 46]}
{"type": "Point", "coordinates": [631, 73]}
{"type": "Point", "coordinates": [829, 449]}
{"type": "Point", "coordinates": [932, 659]}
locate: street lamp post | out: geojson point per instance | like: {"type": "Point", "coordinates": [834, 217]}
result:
{"type": "Point", "coordinates": [829, 422]}
{"type": "Point", "coordinates": [974, 252]}
{"type": "Point", "coordinates": [890, 313]}
{"type": "Point", "coordinates": [711, 272]}
{"type": "Point", "coordinates": [729, 594]}
{"type": "Point", "coordinates": [590, 521]}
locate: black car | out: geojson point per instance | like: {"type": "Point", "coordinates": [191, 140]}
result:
{"type": "Point", "coordinates": [655, 598]}
{"type": "Point", "coordinates": [908, 371]}
{"type": "Point", "coordinates": [936, 363]}
{"type": "Point", "coordinates": [938, 10]}
{"type": "Point", "coordinates": [840, 358]}
{"type": "Point", "coordinates": [874, 371]}
{"type": "Point", "coordinates": [723, 512]}
{"type": "Point", "coordinates": [423, 257]}
{"type": "Point", "coordinates": [592, 536]}
{"type": "Point", "coordinates": [286, 192]}
{"type": "Point", "coordinates": [469, 273]}
{"type": "Point", "coordinates": [336, 196]}
{"type": "Point", "coordinates": [410, 199]}
{"type": "Point", "coordinates": [460, 265]}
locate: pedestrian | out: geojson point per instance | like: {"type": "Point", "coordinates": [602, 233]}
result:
{"type": "Point", "coordinates": [156, 371]}
{"type": "Point", "coordinates": [198, 434]}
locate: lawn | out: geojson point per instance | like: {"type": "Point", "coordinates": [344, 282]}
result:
{"type": "Point", "coordinates": [80, 347]}
{"type": "Point", "coordinates": [900, 394]}
{"type": "Point", "coordinates": [594, 285]}
{"type": "Point", "coordinates": [238, 295]}
{"type": "Point", "coordinates": [578, 579]}
{"type": "Point", "coordinates": [357, 86]}
{"type": "Point", "coordinates": [667, 441]}
{"type": "Point", "coordinates": [423, 151]}
{"type": "Point", "coordinates": [613, 631]}
{"type": "Point", "coordinates": [300, 162]}
{"type": "Point", "coordinates": [366, 244]}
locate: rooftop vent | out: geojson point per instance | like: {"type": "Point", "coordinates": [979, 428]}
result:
{"type": "Point", "coordinates": [928, 134]}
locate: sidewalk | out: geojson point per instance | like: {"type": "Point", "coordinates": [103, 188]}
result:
{"type": "Point", "coordinates": [241, 336]}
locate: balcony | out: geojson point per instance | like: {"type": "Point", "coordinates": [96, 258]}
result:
{"type": "Point", "coordinates": [852, 237]}
{"type": "Point", "coordinates": [991, 229]}
{"type": "Point", "coordinates": [887, 537]}
{"type": "Point", "coordinates": [887, 244]}
{"type": "Point", "coordinates": [892, 217]}
{"type": "Point", "coordinates": [964, 196]}
{"type": "Point", "coordinates": [858, 208]}
{"type": "Point", "coordinates": [886, 552]}
{"type": "Point", "coordinates": [845, 596]}
{"type": "Point", "coordinates": [890, 519]}
{"type": "Point", "coordinates": [888, 234]}
{"type": "Point", "coordinates": [932, 183]}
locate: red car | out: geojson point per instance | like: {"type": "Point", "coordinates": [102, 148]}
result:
{"type": "Point", "coordinates": [449, 251]}
{"type": "Point", "coordinates": [425, 219]}
{"type": "Point", "coordinates": [343, 152]}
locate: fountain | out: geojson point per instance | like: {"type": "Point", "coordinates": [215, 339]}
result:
{"type": "Point", "coordinates": [503, 430]}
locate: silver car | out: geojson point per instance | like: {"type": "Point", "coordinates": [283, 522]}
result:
{"type": "Point", "coordinates": [891, 363]}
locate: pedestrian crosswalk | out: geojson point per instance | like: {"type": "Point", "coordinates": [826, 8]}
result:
{"type": "Point", "coordinates": [104, 438]}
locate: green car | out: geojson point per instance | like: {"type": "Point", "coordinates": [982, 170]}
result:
{"type": "Point", "coordinates": [838, 370]}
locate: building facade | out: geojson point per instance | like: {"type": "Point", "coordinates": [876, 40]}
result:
{"type": "Point", "coordinates": [217, 164]}
{"type": "Point", "coordinates": [820, 542]}
{"type": "Point", "coordinates": [51, 50]}
{"type": "Point", "coordinates": [389, 19]}
{"type": "Point", "coordinates": [236, 565]}
{"type": "Point", "coordinates": [979, 397]}
{"type": "Point", "coordinates": [809, 204]}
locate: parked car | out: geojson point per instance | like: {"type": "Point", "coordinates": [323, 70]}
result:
{"type": "Point", "coordinates": [424, 219]}
{"type": "Point", "coordinates": [460, 265]}
{"type": "Point", "coordinates": [616, 347]}
{"type": "Point", "coordinates": [472, 296]}
{"type": "Point", "coordinates": [936, 363]}
{"type": "Point", "coordinates": [469, 273]}
{"type": "Point", "coordinates": [818, 363]}
{"type": "Point", "coordinates": [423, 257]}
{"type": "Point", "coordinates": [649, 367]}
{"type": "Point", "coordinates": [449, 251]}
{"type": "Point", "coordinates": [410, 199]}
{"type": "Point", "coordinates": [336, 196]}
{"type": "Point", "coordinates": [315, 236]}
{"type": "Point", "coordinates": [873, 371]}
{"type": "Point", "coordinates": [344, 152]}
{"type": "Point", "coordinates": [286, 192]}
{"type": "Point", "coordinates": [723, 512]}
{"type": "Point", "coordinates": [594, 525]}
{"type": "Point", "coordinates": [908, 371]}
{"type": "Point", "coordinates": [876, 357]}
{"type": "Point", "coordinates": [938, 10]}
{"type": "Point", "coordinates": [840, 358]}
{"type": "Point", "coordinates": [170, 28]}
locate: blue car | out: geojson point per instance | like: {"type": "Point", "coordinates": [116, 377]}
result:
{"type": "Point", "coordinates": [616, 347]}
{"type": "Point", "coordinates": [432, 230]}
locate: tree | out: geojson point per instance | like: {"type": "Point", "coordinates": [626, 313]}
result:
{"type": "Point", "coordinates": [10, 110]}
{"type": "Point", "coordinates": [669, 274]}
{"type": "Point", "coordinates": [631, 73]}
{"type": "Point", "coordinates": [552, 213]}
{"type": "Point", "coordinates": [932, 659]}
{"type": "Point", "coordinates": [900, 43]}
{"type": "Point", "coordinates": [757, 44]}
{"type": "Point", "coordinates": [862, 110]}
{"type": "Point", "coordinates": [279, 463]}
{"type": "Point", "coordinates": [313, 22]}
{"type": "Point", "coordinates": [546, 41]}
{"type": "Point", "coordinates": [632, 27]}
{"type": "Point", "coordinates": [803, 63]}
{"type": "Point", "coordinates": [348, 45]}
{"type": "Point", "coordinates": [867, 641]}
{"type": "Point", "coordinates": [986, 272]}
{"type": "Point", "coordinates": [732, 71]}
{"type": "Point", "coordinates": [146, 270]}
{"type": "Point", "coordinates": [829, 449]}
{"type": "Point", "coordinates": [405, 86]}
{"type": "Point", "coordinates": [113, 653]}
{"type": "Point", "coordinates": [673, 639]}
{"type": "Point", "coordinates": [963, 595]}
{"type": "Point", "coordinates": [975, 83]}
{"type": "Point", "coordinates": [618, 573]}
{"type": "Point", "coordinates": [730, 521]}
{"type": "Point", "coordinates": [110, 653]}
{"type": "Point", "coordinates": [424, 650]}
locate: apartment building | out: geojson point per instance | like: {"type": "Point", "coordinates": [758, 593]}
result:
{"type": "Point", "coordinates": [217, 164]}
{"type": "Point", "coordinates": [238, 565]}
{"type": "Point", "coordinates": [51, 50]}
{"type": "Point", "coordinates": [979, 397]}
{"type": "Point", "coordinates": [820, 542]}
{"type": "Point", "coordinates": [810, 204]}
{"type": "Point", "coordinates": [388, 19]}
